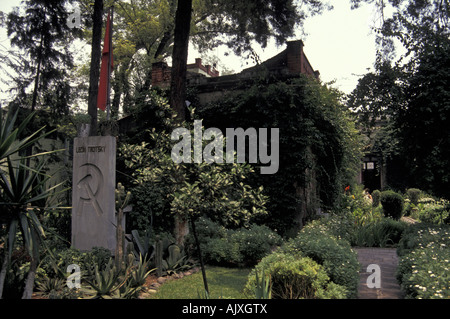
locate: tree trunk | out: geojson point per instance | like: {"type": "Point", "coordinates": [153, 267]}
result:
{"type": "Point", "coordinates": [181, 229]}
{"type": "Point", "coordinates": [94, 73]}
{"type": "Point", "coordinates": [199, 251]}
{"type": "Point", "coordinates": [117, 87]}
{"type": "Point", "coordinates": [38, 75]}
{"type": "Point", "coordinates": [29, 283]}
{"type": "Point", "coordinates": [179, 57]}
{"type": "Point", "coordinates": [36, 86]}
{"type": "Point", "coordinates": [3, 272]}
{"type": "Point", "coordinates": [178, 81]}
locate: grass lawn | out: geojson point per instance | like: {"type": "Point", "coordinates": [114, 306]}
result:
{"type": "Point", "coordinates": [223, 282]}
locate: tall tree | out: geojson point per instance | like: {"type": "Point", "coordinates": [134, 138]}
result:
{"type": "Point", "coordinates": [423, 126]}
{"type": "Point", "coordinates": [414, 92]}
{"type": "Point", "coordinates": [145, 32]}
{"type": "Point", "coordinates": [94, 72]}
{"type": "Point", "coordinates": [41, 32]}
{"type": "Point", "coordinates": [179, 57]}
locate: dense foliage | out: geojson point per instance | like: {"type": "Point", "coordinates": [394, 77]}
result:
{"type": "Point", "coordinates": [423, 268]}
{"type": "Point", "coordinates": [319, 146]}
{"type": "Point", "coordinates": [234, 247]}
{"type": "Point", "coordinates": [408, 98]}
{"type": "Point", "coordinates": [165, 189]}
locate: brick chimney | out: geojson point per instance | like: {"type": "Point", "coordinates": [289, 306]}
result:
{"type": "Point", "coordinates": [297, 62]}
{"type": "Point", "coordinates": [294, 52]}
{"type": "Point", "coordinates": [160, 74]}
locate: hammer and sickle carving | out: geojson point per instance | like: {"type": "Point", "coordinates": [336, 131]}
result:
{"type": "Point", "coordinates": [90, 186]}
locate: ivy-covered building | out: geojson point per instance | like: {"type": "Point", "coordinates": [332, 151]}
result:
{"type": "Point", "coordinates": [315, 143]}
{"type": "Point", "coordinates": [208, 87]}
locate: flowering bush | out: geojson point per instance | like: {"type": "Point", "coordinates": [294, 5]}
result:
{"type": "Point", "coordinates": [356, 198]}
{"type": "Point", "coordinates": [429, 210]}
{"type": "Point", "coordinates": [359, 204]}
{"type": "Point", "coordinates": [341, 226]}
{"type": "Point", "coordinates": [423, 270]}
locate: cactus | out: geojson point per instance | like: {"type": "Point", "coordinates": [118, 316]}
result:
{"type": "Point", "coordinates": [122, 199]}
{"type": "Point", "coordinates": [174, 254]}
{"type": "Point", "coordinates": [263, 289]}
{"type": "Point", "coordinates": [176, 260]}
{"type": "Point", "coordinates": [159, 257]}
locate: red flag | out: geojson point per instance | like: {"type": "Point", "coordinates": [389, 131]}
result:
{"type": "Point", "coordinates": [105, 72]}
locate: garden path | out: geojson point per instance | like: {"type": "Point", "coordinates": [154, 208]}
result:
{"type": "Point", "coordinates": [387, 259]}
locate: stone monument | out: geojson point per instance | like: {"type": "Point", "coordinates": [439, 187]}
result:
{"type": "Point", "coordinates": [93, 193]}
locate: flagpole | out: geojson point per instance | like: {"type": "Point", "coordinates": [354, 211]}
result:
{"type": "Point", "coordinates": [108, 96]}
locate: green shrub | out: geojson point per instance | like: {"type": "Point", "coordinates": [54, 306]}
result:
{"type": "Point", "coordinates": [295, 277]}
{"type": "Point", "coordinates": [413, 194]}
{"type": "Point", "coordinates": [231, 247]}
{"type": "Point", "coordinates": [376, 194]}
{"type": "Point", "coordinates": [222, 251]}
{"type": "Point", "coordinates": [392, 203]}
{"type": "Point", "coordinates": [365, 217]}
{"type": "Point", "coordinates": [206, 228]}
{"type": "Point", "coordinates": [384, 233]}
{"type": "Point", "coordinates": [97, 256]}
{"type": "Point", "coordinates": [54, 264]}
{"type": "Point", "coordinates": [435, 215]}
{"type": "Point", "coordinates": [255, 243]}
{"type": "Point", "coordinates": [149, 202]}
{"type": "Point", "coordinates": [335, 255]}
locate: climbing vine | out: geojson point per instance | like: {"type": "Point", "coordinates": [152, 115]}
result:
{"type": "Point", "coordinates": [319, 144]}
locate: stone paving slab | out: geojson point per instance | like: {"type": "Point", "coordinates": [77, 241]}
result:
{"type": "Point", "coordinates": [387, 260]}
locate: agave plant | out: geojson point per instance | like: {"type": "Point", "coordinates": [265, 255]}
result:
{"type": "Point", "coordinates": [140, 272]}
{"type": "Point", "coordinates": [9, 143]}
{"type": "Point", "coordinates": [21, 188]}
{"type": "Point", "coordinates": [24, 190]}
{"type": "Point", "coordinates": [107, 283]}
{"type": "Point", "coordinates": [47, 285]}
{"type": "Point", "coordinates": [144, 244]}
